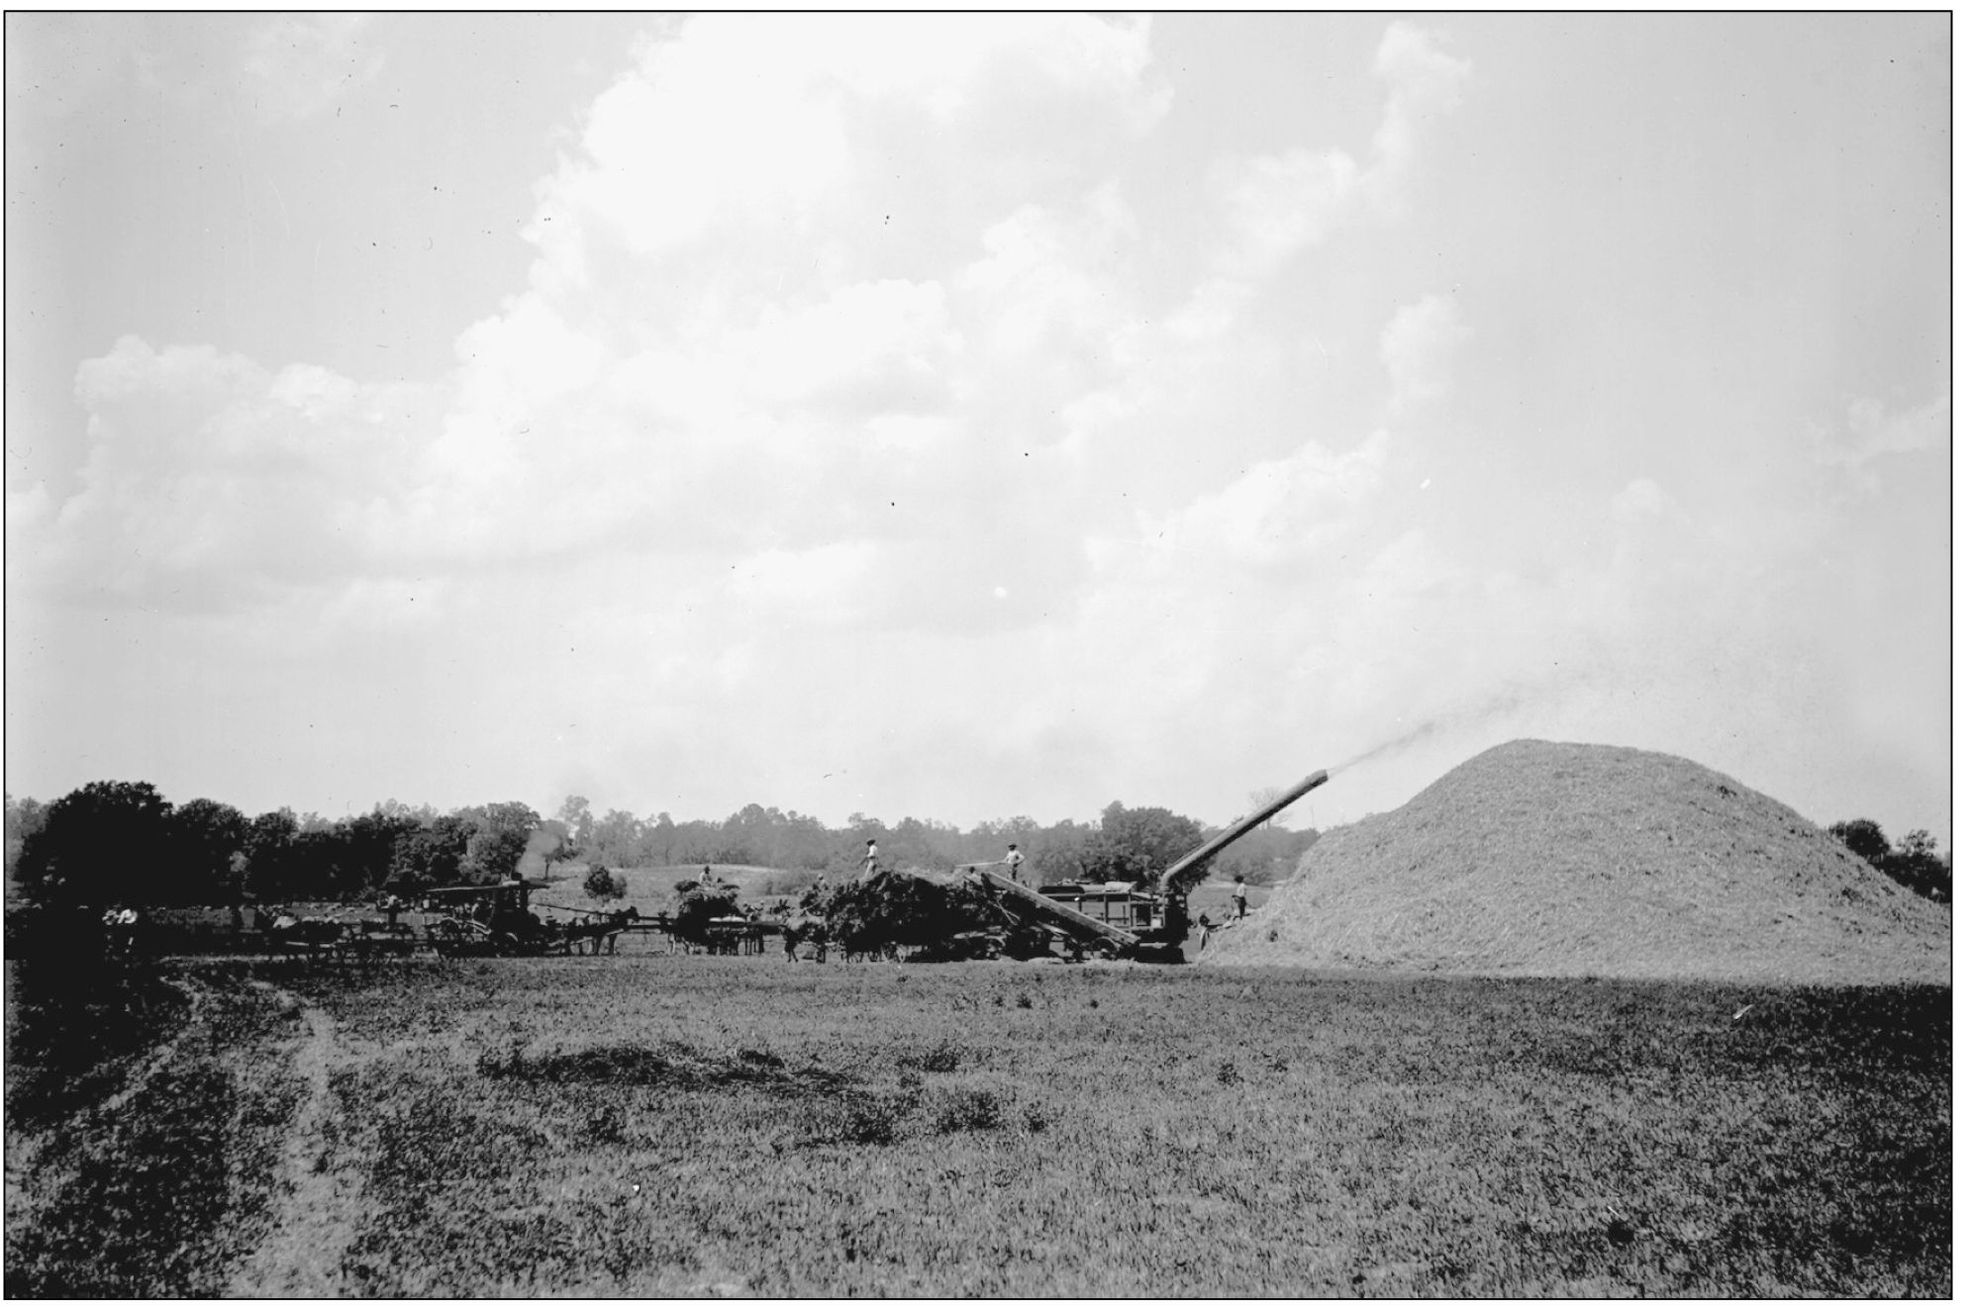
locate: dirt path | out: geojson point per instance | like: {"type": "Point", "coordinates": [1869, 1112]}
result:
{"type": "Point", "coordinates": [317, 1207]}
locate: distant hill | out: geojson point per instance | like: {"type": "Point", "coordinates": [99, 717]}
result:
{"type": "Point", "coordinates": [1568, 859]}
{"type": "Point", "coordinates": [652, 889]}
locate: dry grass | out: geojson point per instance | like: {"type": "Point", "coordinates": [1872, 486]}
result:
{"type": "Point", "coordinates": [1572, 859]}
{"type": "Point", "coordinates": [650, 1126]}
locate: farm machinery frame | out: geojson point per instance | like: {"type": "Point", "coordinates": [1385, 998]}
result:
{"type": "Point", "coordinates": [1123, 922]}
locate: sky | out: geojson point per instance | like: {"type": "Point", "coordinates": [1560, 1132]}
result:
{"type": "Point", "coordinates": [970, 417]}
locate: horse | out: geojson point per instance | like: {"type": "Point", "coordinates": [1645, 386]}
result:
{"type": "Point", "coordinates": [309, 938]}
{"type": "Point", "coordinates": [805, 929]}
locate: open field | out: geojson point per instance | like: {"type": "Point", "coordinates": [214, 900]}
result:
{"type": "Point", "coordinates": [687, 1125]}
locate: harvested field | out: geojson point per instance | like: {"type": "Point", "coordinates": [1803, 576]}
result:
{"type": "Point", "coordinates": [670, 1126]}
{"type": "Point", "coordinates": [1569, 859]}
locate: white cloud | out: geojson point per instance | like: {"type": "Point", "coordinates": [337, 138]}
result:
{"type": "Point", "coordinates": [1872, 431]}
{"type": "Point", "coordinates": [1048, 302]}
{"type": "Point", "coordinates": [1418, 348]}
{"type": "Point", "coordinates": [1280, 204]}
{"type": "Point", "coordinates": [1284, 513]}
{"type": "Point", "coordinates": [744, 121]}
{"type": "Point", "coordinates": [1275, 206]}
{"type": "Point", "coordinates": [872, 348]}
{"type": "Point", "coordinates": [214, 482]}
{"type": "Point", "coordinates": [1426, 83]}
{"type": "Point", "coordinates": [1639, 501]}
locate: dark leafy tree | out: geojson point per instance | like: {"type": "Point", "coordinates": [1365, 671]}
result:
{"type": "Point", "coordinates": [98, 845]}
{"type": "Point", "coordinates": [272, 862]}
{"type": "Point", "coordinates": [369, 845]}
{"type": "Point", "coordinates": [1135, 844]}
{"type": "Point", "coordinates": [206, 859]}
{"type": "Point", "coordinates": [1864, 838]}
{"type": "Point", "coordinates": [432, 855]}
{"type": "Point", "coordinates": [603, 884]}
{"type": "Point", "coordinates": [1916, 864]}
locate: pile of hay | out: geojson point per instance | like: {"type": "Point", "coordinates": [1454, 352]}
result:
{"type": "Point", "coordinates": [1566, 859]}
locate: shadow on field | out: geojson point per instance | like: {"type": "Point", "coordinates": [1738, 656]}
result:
{"type": "Point", "coordinates": [833, 1109]}
{"type": "Point", "coordinates": [673, 1066]}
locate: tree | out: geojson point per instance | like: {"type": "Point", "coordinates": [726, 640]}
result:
{"type": "Point", "coordinates": [271, 872]}
{"type": "Point", "coordinates": [501, 831]}
{"type": "Point", "coordinates": [97, 845]}
{"type": "Point", "coordinates": [1864, 838]}
{"type": "Point", "coordinates": [1136, 844]}
{"type": "Point", "coordinates": [603, 884]}
{"type": "Point", "coordinates": [1917, 865]}
{"type": "Point", "coordinates": [207, 839]}
{"type": "Point", "coordinates": [369, 845]}
{"type": "Point", "coordinates": [432, 855]}
{"type": "Point", "coordinates": [24, 817]}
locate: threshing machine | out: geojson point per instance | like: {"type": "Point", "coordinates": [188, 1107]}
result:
{"type": "Point", "coordinates": [1148, 927]}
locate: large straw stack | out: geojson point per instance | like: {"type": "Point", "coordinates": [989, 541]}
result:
{"type": "Point", "coordinates": [1572, 859]}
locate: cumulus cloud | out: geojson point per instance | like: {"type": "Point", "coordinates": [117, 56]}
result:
{"type": "Point", "coordinates": [1280, 204]}
{"type": "Point", "coordinates": [1425, 84]}
{"type": "Point", "coordinates": [1872, 430]}
{"type": "Point", "coordinates": [823, 369]}
{"type": "Point", "coordinates": [713, 352]}
{"type": "Point", "coordinates": [1283, 513]}
{"type": "Point", "coordinates": [1418, 349]}
{"type": "Point", "coordinates": [1275, 206]}
{"type": "Point", "coordinates": [214, 482]}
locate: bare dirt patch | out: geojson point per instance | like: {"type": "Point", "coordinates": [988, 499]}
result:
{"type": "Point", "coordinates": [316, 1212]}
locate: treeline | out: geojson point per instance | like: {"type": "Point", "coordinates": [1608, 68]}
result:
{"type": "Point", "coordinates": [1915, 863]}
{"type": "Point", "coordinates": [124, 843]}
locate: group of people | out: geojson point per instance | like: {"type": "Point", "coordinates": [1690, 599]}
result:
{"type": "Point", "coordinates": [1013, 861]}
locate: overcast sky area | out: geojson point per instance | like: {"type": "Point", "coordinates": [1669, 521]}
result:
{"type": "Point", "coordinates": [964, 417]}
